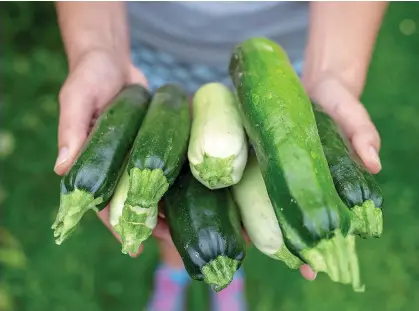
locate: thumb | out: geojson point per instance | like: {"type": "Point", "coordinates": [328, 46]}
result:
{"type": "Point", "coordinates": [354, 120]}
{"type": "Point", "coordinates": [307, 272]}
{"type": "Point", "coordinates": [76, 112]}
{"type": "Point", "coordinates": [136, 76]}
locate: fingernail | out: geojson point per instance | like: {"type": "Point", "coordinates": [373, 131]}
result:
{"type": "Point", "coordinates": [134, 255]}
{"type": "Point", "coordinates": [62, 157]}
{"type": "Point", "coordinates": [161, 215]}
{"type": "Point", "coordinates": [308, 273]}
{"type": "Point", "coordinates": [374, 156]}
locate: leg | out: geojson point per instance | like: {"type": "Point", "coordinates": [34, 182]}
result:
{"type": "Point", "coordinates": [170, 281]}
{"type": "Point", "coordinates": [170, 255]}
{"type": "Point", "coordinates": [232, 298]}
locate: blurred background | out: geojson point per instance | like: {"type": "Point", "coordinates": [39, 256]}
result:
{"type": "Point", "coordinates": [89, 273]}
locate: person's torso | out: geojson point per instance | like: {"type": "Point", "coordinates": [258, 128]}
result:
{"type": "Point", "coordinates": [206, 32]}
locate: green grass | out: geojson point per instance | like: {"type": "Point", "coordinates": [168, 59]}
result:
{"type": "Point", "coordinates": [89, 273]}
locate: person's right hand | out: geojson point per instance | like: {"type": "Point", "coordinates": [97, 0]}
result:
{"type": "Point", "coordinates": [91, 84]}
{"type": "Point", "coordinates": [93, 81]}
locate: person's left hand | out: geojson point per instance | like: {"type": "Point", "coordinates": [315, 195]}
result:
{"type": "Point", "coordinates": [342, 104]}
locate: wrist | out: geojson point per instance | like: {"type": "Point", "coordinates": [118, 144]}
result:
{"type": "Point", "coordinates": [340, 42]}
{"type": "Point", "coordinates": [349, 71]}
{"type": "Point", "coordinates": [88, 27]}
{"type": "Point", "coordinates": [120, 58]}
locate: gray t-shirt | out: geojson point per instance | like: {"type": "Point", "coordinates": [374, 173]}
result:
{"type": "Point", "coordinates": [206, 32]}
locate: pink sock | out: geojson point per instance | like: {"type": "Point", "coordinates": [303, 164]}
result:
{"type": "Point", "coordinates": [232, 297]}
{"type": "Point", "coordinates": [169, 289]}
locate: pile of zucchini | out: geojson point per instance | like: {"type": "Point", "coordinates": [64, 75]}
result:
{"type": "Point", "coordinates": [263, 159]}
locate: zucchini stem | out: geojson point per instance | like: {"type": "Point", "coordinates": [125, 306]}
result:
{"type": "Point", "coordinates": [139, 214]}
{"type": "Point", "coordinates": [336, 257]}
{"type": "Point", "coordinates": [214, 172]}
{"type": "Point", "coordinates": [367, 220]}
{"type": "Point", "coordinates": [73, 206]}
{"type": "Point", "coordinates": [135, 226]}
{"type": "Point", "coordinates": [292, 262]}
{"type": "Point", "coordinates": [219, 273]}
{"type": "Point", "coordinates": [146, 187]}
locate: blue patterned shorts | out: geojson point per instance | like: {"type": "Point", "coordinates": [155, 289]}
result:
{"type": "Point", "coordinates": [162, 68]}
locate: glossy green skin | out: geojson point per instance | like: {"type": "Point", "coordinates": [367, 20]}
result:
{"type": "Point", "coordinates": [203, 223]}
{"type": "Point", "coordinates": [354, 184]}
{"type": "Point", "coordinates": [98, 167]}
{"type": "Point", "coordinates": [163, 139]}
{"type": "Point", "coordinates": [280, 123]}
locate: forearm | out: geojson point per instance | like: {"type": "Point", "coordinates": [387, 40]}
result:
{"type": "Point", "coordinates": [340, 42]}
{"type": "Point", "coordinates": [87, 26]}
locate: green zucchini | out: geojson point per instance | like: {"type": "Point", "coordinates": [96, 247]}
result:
{"type": "Point", "coordinates": [354, 184]}
{"type": "Point", "coordinates": [92, 179]}
{"type": "Point", "coordinates": [280, 123]}
{"type": "Point", "coordinates": [218, 147]}
{"type": "Point", "coordinates": [205, 227]}
{"type": "Point", "coordinates": [156, 158]}
{"type": "Point", "coordinates": [258, 216]}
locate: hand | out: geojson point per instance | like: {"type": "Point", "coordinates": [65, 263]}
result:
{"type": "Point", "coordinates": [349, 113]}
{"type": "Point", "coordinates": [95, 78]}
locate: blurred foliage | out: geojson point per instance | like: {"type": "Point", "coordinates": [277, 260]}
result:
{"type": "Point", "coordinates": [11, 253]}
{"type": "Point", "coordinates": [27, 26]}
{"type": "Point", "coordinates": [11, 256]}
{"type": "Point", "coordinates": [6, 302]}
{"type": "Point", "coordinates": [89, 273]}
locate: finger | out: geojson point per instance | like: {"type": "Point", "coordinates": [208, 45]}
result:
{"type": "Point", "coordinates": [161, 211]}
{"type": "Point", "coordinates": [161, 231]}
{"type": "Point", "coordinates": [76, 112]}
{"type": "Point", "coordinates": [136, 76]}
{"type": "Point", "coordinates": [246, 237]}
{"type": "Point", "coordinates": [307, 272]}
{"type": "Point", "coordinates": [354, 120]}
{"type": "Point", "coordinates": [104, 217]}
{"type": "Point", "coordinates": [366, 143]}
{"type": "Point", "coordinates": [362, 134]}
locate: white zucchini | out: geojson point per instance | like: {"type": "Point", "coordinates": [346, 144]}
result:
{"type": "Point", "coordinates": [218, 147]}
{"type": "Point", "coordinates": [258, 216]}
{"type": "Point", "coordinates": [130, 235]}
{"type": "Point", "coordinates": [118, 199]}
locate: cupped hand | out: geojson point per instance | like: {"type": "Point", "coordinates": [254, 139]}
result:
{"type": "Point", "coordinates": [91, 85]}
{"type": "Point", "coordinates": [94, 80]}
{"type": "Point", "coordinates": [340, 103]}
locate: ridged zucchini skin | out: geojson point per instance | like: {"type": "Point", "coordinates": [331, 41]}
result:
{"type": "Point", "coordinates": [355, 185]}
{"type": "Point", "coordinates": [205, 227]}
{"type": "Point", "coordinates": [156, 158]}
{"type": "Point", "coordinates": [91, 181]}
{"type": "Point", "coordinates": [280, 123]}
